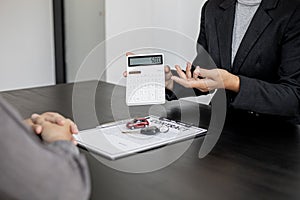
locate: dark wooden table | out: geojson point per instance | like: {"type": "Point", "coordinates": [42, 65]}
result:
{"type": "Point", "coordinates": [248, 161]}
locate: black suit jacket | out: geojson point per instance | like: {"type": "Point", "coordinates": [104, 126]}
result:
{"type": "Point", "coordinates": [267, 61]}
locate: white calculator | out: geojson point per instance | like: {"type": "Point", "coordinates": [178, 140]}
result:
{"type": "Point", "coordinates": [145, 79]}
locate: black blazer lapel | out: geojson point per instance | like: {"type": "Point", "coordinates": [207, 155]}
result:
{"type": "Point", "coordinates": [224, 25]}
{"type": "Point", "coordinates": [260, 22]}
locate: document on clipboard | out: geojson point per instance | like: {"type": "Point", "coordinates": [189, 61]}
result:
{"type": "Point", "coordinates": [114, 140]}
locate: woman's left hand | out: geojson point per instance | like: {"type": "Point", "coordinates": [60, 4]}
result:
{"type": "Point", "coordinates": [206, 80]}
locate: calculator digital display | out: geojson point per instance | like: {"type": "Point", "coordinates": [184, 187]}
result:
{"type": "Point", "coordinates": [145, 60]}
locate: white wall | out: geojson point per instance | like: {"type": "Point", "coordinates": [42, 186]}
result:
{"type": "Point", "coordinates": [168, 26]}
{"type": "Point", "coordinates": [84, 29]}
{"type": "Point", "coordinates": [26, 38]}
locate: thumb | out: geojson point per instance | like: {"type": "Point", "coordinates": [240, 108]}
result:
{"type": "Point", "coordinates": [167, 69]}
{"type": "Point", "coordinates": [204, 73]}
{"type": "Point", "coordinates": [129, 53]}
{"type": "Point", "coordinates": [168, 72]}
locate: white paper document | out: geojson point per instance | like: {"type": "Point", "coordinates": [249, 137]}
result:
{"type": "Point", "coordinates": [115, 140]}
{"type": "Point", "coordinates": [202, 99]}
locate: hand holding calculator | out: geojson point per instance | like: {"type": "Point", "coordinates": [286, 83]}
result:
{"type": "Point", "coordinates": [145, 79]}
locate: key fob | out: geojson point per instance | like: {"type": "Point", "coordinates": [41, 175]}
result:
{"type": "Point", "coordinates": [151, 130]}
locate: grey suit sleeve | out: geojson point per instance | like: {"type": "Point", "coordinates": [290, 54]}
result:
{"type": "Point", "coordinates": [32, 170]}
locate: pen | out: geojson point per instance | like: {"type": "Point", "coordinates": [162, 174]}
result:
{"type": "Point", "coordinates": [110, 124]}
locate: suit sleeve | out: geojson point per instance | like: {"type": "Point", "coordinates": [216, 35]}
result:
{"type": "Point", "coordinates": [202, 59]}
{"type": "Point", "coordinates": [33, 170]}
{"type": "Point", "coordinates": [280, 98]}
{"type": "Point", "coordinates": [202, 35]}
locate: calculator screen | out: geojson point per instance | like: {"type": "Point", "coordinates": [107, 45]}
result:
{"type": "Point", "coordinates": [145, 60]}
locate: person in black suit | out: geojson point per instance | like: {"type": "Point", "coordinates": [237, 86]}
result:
{"type": "Point", "coordinates": [255, 45]}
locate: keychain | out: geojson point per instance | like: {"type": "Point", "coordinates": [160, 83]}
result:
{"type": "Point", "coordinates": [150, 130]}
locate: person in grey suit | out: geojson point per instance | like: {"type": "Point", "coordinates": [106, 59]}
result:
{"type": "Point", "coordinates": [255, 45]}
{"type": "Point", "coordinates": [45, 167]}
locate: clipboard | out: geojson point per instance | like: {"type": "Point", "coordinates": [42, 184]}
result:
{"type": "Point", "coordinates": [111, 140]}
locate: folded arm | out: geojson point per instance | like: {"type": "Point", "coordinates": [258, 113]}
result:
{"type": "Point", "coordinates": [39, 169]}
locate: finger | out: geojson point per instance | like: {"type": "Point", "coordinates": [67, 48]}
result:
{"type": "Point", "coordinates": [205, 73]}
{"type": "Point", "coordinates": [196, 72]}
{"type": "Point", "coordinates": [168, 73]}
{"type": "Point", "coordinates": [129, 53]}
{"type": "Point", "coordinates": [188, 70]}
{"type": "Point", "coordinates": [204, 85]}
{"type": "Point", "coordinates": [34, 116]}
{"type": "Point", "coordinates": [167, 69]}
{"type": "Point", "coordinates": [37, 119]}
{"type": "Point", "coordinates": [52, 114]}
{"type": "Point", "coordinates": [56, 119]}
{"type": "Point", "coordinates": [28, 122]}
{"type": "Point", "coordinates": [37, 129]}
{"type": "Point", "coordinates": [51, 117]}
{"type": "Point", "coordinates": [200, 84]}
{"type": "Point", "coordinates": [192, 83]}
{"type": "Point", "coordinates": [73, 128]}
{"type": "Point", "coordinates": [181, 81]}
{"type": "Point", "coordinates": [74, 141]}
{"type": "Point", "coordinates": [180, 72]}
